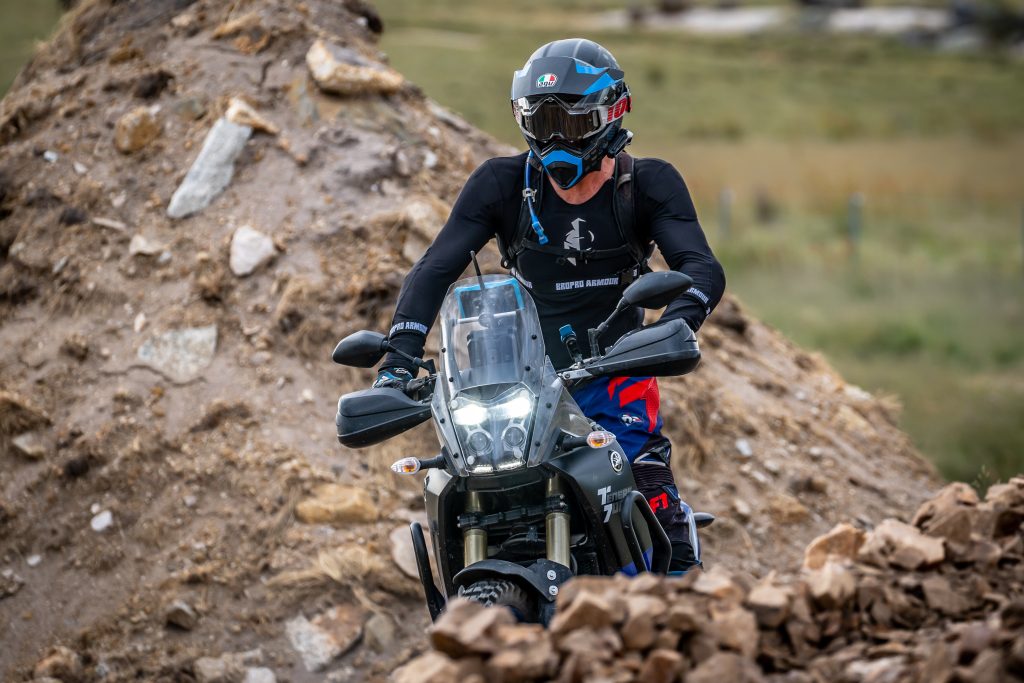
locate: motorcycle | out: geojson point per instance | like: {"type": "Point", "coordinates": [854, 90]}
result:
{"type": "Point", "coordinates": [526, 492]}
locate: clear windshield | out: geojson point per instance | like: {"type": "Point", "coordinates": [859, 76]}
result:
{"type": "Point", "coordinates": [492, 364]}
{"type": "Point", "coordinates": [491, 334]}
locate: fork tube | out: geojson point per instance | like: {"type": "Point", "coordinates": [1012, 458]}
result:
{"type": "Point", "coordinates": [474, 539]}
{"type": "Point", "coordinates": [556, 527]}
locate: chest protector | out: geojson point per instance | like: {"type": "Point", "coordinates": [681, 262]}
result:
{"type": "Point", "coordinates": [623, 208]}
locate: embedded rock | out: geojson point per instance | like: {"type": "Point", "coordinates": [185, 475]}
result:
{"type": "Point", "coordinates": [30, 445]}
{"type": "Point", "coordinates": [250, 249]}
{"type": "Point", "coordinates": [901, 545]}
{"type": "Point", "coordinates": [137, 128]}
{"type": "Point", "coordinates": [337, 504]}
{"type": "Point", "coordinates": [212, 170]}
{"type": "Point", "coordinates": [842, 542]}
{"type": "Point", "coordinates": [327, 636]}
{"type": "Point", "coordinates": [343, 71]}
{"type": "Point", "coordinates": [182, 354]}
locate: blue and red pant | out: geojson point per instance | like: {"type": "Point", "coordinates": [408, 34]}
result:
{"type": "Point", "coordinates": [629, 407]}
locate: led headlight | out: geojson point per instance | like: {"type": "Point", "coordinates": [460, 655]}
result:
{"type": "Point", "coordinates": [494, 434]}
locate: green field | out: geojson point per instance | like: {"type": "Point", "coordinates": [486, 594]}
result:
{"type": "Point", "coordinates": [930, 306]}
{"type": "Point", "coordinates": [22, 24]}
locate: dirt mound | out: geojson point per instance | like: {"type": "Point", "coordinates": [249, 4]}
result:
{"type": "Point", "coordinates": [939, 600]}
{"type": "Point", "coordinates": [197, 198]}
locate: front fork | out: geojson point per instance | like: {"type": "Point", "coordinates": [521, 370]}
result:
{"type": "Point", "coordinates": [556, 529]}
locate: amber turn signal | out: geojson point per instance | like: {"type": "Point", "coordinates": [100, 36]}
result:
{"type": "Point", "coordinates": [406, 466]}
{"type": "Point", "coordinates": [600, 439]}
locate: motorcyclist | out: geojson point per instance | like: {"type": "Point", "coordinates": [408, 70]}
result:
{"type": "Point", "coordinates": [573, 249]}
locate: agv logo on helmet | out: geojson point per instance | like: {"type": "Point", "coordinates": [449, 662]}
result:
{"type": "Point", "coordinates": [547, 80]}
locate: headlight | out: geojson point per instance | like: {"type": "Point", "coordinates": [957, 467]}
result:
{"type": "Point", "coordinates": [494, 434]}
{"type": "Point", "coordinates": [472, 413]}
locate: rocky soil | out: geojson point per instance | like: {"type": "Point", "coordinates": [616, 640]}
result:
{"type": "Point", "coordinates": [197, 199]}
{"type": "Point", "coordinates": [935, 601]}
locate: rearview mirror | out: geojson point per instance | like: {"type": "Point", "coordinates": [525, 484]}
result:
{"type": "Point", "coordinates": [656, 290]}
{"type": "Point", "coordinates": [362, 349]}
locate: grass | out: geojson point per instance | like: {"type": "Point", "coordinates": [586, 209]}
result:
{"type": "Point", "coordinates": [22, 24]}
{"type": "Point", "coordinates": [931, 307]}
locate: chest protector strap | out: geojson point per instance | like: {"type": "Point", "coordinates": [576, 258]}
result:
{"type": "Point", "coordinates": [624, 208]}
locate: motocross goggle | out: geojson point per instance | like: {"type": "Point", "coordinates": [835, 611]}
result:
{"type": "Point", "coordinates": [551, 117]}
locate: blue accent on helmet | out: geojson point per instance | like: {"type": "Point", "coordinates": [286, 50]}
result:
{"type": "Point", "coordinates": [605, 81]}
{"type": "Point", "coordinates": [563, 156]}
{"type": "Point", "coordinates": [582, 68]}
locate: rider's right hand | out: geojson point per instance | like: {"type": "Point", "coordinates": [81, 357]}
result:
{"type": "Point", "coordinates": [393, 378]}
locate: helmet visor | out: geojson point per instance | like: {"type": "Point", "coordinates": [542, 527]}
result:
{"type": "Point", "coordinates": [551, 118]}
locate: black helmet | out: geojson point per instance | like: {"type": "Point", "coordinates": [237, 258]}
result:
{"type": "Point", "coordinates": [569, 99]}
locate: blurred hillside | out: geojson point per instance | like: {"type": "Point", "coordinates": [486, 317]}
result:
{"type": "Point", "coordinates": [776, 133]}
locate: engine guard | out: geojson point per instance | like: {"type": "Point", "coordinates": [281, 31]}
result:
{"type": "Point", "coordinates": [543, 577]}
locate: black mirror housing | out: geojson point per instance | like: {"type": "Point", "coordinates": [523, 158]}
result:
{"type": "Point", "coordinates": [362, 349]}
{"type": "Point", "coordinates": [656, 290]}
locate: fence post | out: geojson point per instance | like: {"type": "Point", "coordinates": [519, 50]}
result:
{"type": "Point", "coordinates": [725, 213]}
{"type": "Point", "coordinates": [855, 223]}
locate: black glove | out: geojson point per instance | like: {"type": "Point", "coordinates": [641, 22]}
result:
{"type": "Point", "coordinates": [393, 378]}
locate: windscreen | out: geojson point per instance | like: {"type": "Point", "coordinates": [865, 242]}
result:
{"type": "Point", "coordinates": [492, 359]}
{"type": "Point", "coordinates": [490, 333]}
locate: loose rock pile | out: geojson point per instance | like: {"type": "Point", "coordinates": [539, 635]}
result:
{"type": "Point", "coordinates": [939, 600]}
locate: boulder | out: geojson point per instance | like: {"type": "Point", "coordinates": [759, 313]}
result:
{"type": "Point", "coordinates": [402, 553]}
{"type": "Point", "coordinates": [337, 504]}
{"type": "Point", "coordinates": [951, 496]}
{"type": "Point", "coordinates": [343, 71]}
{"type": "Point", "coordinates": [901, 545]}
{"type": "Point", "coordinates": [842, 542]}
{"type": "Point", "coordinates": [940, 596]}
{"type": "Point", "coordinates": [136, 129]}
{"type": "Point", "coordinates": [950, 514]}
{"type": "Point", "coordinates": [832, 585]}
{"type": "Point", "coordinates": [770, 603]}
{"type": "Point", "coordinates": [468, 628]}
{"type": "Point", "coordinates": [327, 636]}
{"type": "Point", "coordinates": [725, 666]}
{"type": "Point", "coordinates": [588, 609]}
{"type": "Point", "coordinates": [643, 615]}
{"type": "Point", "coordinates": [212, 170]}
{"type": "Point", "coordinates": [434, 667]}
{"type": "Point", "coordinates": [526, 654]}
{"type": "Point", "coordinates": [250, 249]}
{"type": "Point", "coordinates": [718, 583]}
{"type": "Point", "coordinates": [661, 666]}
{"type": "Point", "coordinates": [735, 628]}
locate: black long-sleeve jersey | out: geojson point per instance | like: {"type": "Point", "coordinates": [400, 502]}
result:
{"type": "Point", "coordinates": [565, 290]}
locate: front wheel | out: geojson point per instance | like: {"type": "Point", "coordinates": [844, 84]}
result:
{"type": "Point", "coordinates": [491, 592]}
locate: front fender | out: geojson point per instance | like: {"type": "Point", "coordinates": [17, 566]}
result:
{"type": "Point", "coordinates": [533, 578]}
